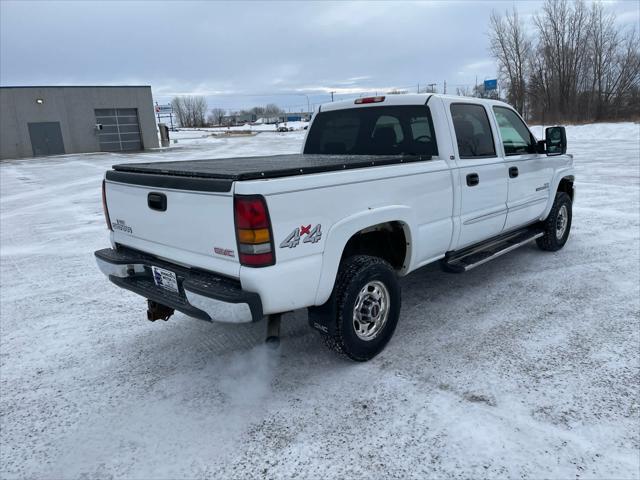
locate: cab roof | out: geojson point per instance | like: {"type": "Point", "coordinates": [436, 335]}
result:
{"type": "Point", "coordinates": [406, 99]}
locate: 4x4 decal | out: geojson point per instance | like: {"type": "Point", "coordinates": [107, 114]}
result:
{"type": "Point", "coordinates": [313, 235]}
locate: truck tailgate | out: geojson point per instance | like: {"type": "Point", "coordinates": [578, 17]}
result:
{"type": "Point", "coordinates": [193, 227]}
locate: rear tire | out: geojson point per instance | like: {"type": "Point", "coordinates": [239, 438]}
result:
{"type": "Point", "coordinates": [557, 225]}
{"type": "Point", "coordinates": [367, 296]}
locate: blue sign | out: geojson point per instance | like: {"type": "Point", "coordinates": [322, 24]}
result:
{"type": "Point", "coordinates": [490, 84]}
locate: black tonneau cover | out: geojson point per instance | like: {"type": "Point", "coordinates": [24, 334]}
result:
{"type": "Point", "coordinates": [251, 168]}
{"type": "Point", "coordinates": [217, 175]}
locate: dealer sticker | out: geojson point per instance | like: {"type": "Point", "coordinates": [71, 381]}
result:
{"type": "Point", "coordinates": [165, 279]}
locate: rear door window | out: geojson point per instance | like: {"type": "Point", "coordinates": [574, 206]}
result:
{"type": "Point", "coordinates": [473, 131]}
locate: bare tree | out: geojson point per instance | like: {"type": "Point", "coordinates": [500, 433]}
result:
{"type": "Point", "coordinates": [216, 116]}
{"type": "Point", "coordinates": [563, 33]}
{"type": "Point", "coordinates": [511, 47]}
{"type": "Point", "coordinates": [257, 111]}
{"type": "Point", "coordinates": [464, 91]}
{"type": "Point", "coordinates": [578, 65]}
{"type": "Point", "coordinates": [626, 76]}
{"type": "Point", "coordinates": [179, 111]}
{"type": "Point", "coordinates": [272, 110]}
{"type": "Point", "coordinates": [615, 63]}
{"type": "Point", "coordinates": [190, 110]}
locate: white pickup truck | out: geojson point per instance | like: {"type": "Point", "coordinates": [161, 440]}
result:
{"type": "Point", "coordinates": [385, 185]}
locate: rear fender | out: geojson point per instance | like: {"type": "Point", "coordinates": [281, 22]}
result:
{"type": "Point", "coordinates": [342, 231]}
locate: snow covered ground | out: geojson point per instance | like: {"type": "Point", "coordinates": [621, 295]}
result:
{"type": "Point", "coordinates": [526, 367]}
{"type": "Point", "coordinates": [194, 133]}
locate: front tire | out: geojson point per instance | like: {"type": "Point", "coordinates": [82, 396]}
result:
{"type": "Point", "coordinates": [557, 225]}
{"type": "Point", "coordinates": [367, 296]}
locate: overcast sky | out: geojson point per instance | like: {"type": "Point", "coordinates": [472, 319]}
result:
{"type": "Point", "coordinates": [242, 54]}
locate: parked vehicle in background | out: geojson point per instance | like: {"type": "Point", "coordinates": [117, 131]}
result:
{"type": "Point", "coordinates": [384, 186]}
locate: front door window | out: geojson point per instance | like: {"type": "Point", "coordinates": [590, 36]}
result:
{"type": "Point", "coordinates": [516, 137]}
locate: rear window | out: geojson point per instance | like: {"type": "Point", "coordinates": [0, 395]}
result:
{"type": "Point", "coordinates": [397, 130]}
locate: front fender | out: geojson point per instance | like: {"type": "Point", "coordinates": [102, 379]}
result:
{"type": "Point", "coordinates": [557, 178]}
{"type": "Point", "coordinates": [342, 231]}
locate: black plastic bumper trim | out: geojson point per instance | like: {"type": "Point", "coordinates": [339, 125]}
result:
{"type": "Point", "coordinates": [200, 282]}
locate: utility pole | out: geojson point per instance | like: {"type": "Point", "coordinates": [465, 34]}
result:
{"type": "Point", "coordinates": [418, 88]}
{"type": "Point", "coordinates": [332, 95]}
{"type": "Point", "coordinates": [432, 87]}
{"type": "Point", "coordinates": [445, 87]}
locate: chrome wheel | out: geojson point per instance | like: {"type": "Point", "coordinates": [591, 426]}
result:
{"type": "Point", "coordinates": [562, 221]}
{"type": "Point", "coordinates": [371, 310]}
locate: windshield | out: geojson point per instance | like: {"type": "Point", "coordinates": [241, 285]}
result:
{"type": "Point", "coordinates": [396, 130]}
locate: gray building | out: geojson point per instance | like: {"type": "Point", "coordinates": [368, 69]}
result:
{"type": "Point", "coordinates": [36, 121]}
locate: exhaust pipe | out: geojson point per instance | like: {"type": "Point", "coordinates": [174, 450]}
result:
{"type": "Point", "coordinates": [273, 330]}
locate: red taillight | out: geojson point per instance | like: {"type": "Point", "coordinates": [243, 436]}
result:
{"type": "Point", "coordinates": [253, 231]}
{"type": "Point", "coordinates": [104, 205]}
{"type": "Point", "coordinates": [369, 100]}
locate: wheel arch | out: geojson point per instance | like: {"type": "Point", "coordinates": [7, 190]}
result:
{"type": "Point", "coordinates": [392, 223]}
{"type": "Point", "coordinates": [566, 185]}
{"type": "Point", "coordinates": [562, 182]}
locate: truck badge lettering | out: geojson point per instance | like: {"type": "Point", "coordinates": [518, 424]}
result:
{"type": "Point", "coordinates": [322, 328]}
{"type": "Point", "coordinates": [224, 251]}
{"type": "Point", "coordinates": [122, 226]}
{"type": "Point", "coordinates": [313, 235]}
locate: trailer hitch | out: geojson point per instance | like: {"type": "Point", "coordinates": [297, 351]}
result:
{"type": "Point", "coordinates": [157, 311]}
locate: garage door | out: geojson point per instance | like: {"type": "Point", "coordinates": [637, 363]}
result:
{"type": "Point", "coordinates": [120, 129]}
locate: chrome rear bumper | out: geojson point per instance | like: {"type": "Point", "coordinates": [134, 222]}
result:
{"type": "Point", "coordinates": [201, 294]}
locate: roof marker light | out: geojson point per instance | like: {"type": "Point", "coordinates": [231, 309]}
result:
{"type": "Point", "coordinates": [369, 100]}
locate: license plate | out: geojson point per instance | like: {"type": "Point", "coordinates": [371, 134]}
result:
{"type": "Point", "coordinates": [165, 279]}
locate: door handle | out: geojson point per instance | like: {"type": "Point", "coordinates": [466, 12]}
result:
{"type": "Point", "coordinates": [473, 179]}
{"type": "Point", "coordinates": [513, 172]}
{"type": "Point", "coordinates": [157, 201]}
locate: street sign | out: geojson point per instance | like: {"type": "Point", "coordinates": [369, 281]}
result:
{"type": "Point", "coordinates": [490, 85]}
{"type": "Point", "coordinates": [164, 108]}
{"type": "Point", "coordinates": [164, 111]}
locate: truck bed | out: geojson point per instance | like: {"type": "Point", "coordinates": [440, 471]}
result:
{"type": "Point", "coordinates": [218, 174]}
{"type": "Point", "coordinates": [251, 168]}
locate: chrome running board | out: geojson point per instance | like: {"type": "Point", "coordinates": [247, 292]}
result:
{"type": "Point", "coordinates": [476, 255]}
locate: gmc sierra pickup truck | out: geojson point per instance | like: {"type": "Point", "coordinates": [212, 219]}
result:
{"type": "Point", "coordinates": [384, 185]}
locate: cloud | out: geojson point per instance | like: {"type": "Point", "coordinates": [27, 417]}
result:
{"type": "Point", "coordinates": [257, 51]}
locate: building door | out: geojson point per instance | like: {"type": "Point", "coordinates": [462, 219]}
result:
{"type": "Point", "coordinates": [46, 138]}
{"type": "Point", "coordinates": [120, 129]}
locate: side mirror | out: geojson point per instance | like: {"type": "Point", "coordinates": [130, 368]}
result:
{"type": "Point", "coordinates": [555, 140]}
